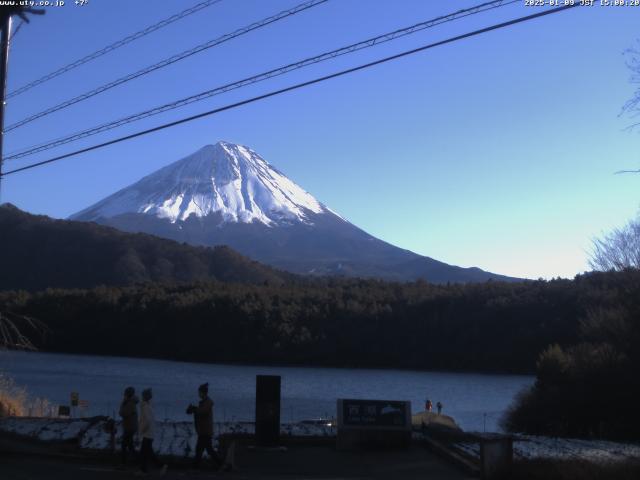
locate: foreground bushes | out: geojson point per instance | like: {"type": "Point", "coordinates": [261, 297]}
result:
{"type": "Point", "coordinates": [13, 400]}
{"type": "Point", "coordinates": [591, 388]}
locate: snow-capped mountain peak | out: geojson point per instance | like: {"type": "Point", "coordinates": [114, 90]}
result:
{"type": "Point", "coordinates": [227, 194]}
{"type": "Point", "coordinates": [224, 178]}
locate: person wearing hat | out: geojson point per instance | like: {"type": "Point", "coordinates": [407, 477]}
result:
{"type": "Point", "coordinates": [203, 419]}
{"type": "Point", "coordinates": [147, 432]}
{"type": "Point", "coordinates": [129, 414]}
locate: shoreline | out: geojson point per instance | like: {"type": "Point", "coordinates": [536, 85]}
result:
{"type": "Point", "coordinates": [274, 365]}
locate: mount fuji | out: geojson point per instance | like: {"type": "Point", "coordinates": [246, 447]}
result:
{"type": "Point", "coordinates": [227, 194]}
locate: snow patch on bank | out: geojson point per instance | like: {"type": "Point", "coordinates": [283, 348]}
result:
{"type": "Point", "coordinates": [529, 447]}
{"type": "Point", "coordinates": [172, 438]}
{"type": "Point", "coordinates": [45, 429]}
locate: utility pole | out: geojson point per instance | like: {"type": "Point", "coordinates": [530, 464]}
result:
{"type": "Point", "coordinates": [4, 65]}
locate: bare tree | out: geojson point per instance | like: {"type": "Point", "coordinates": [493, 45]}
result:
{"type": "Point", "coordinates": [632, 106]}
{"type": "Point", "coordinates": [618, 249]}
{"type": "Point", "coordinates": [16, 331]}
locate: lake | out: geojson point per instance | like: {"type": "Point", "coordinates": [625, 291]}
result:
{"type": "Point", "coordinates": [476, 401]}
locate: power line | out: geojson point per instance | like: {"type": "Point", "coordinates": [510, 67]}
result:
{"type": "Point", "coordinates": [371, 42]}
{"type": "Point", "coordinates": [168, 61]}
{"type": "Point", "coordinates": [115, 45]}
{"type": "Point", "coordinates": [295, 87]}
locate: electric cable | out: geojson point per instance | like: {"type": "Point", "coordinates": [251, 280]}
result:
{"type": "Point", "coordinates": [294, 87]}
{"type": "Point", "coordinates": [371, 42]}
{"type": "Point", "coordinates": [111, 47]}
{"type": "Point", "coordinates": [168, 61]}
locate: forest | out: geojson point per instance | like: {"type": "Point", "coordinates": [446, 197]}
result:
{"type": "Point", "coordinates": [494, 326]}
{"type": "Point", "coordinates": [143, 296]}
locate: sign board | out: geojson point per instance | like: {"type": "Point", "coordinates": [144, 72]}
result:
{"type": "Point", "coordinates": [374, 413]}
{"type": "Point", "coordinates": [75, 398]}
{"type": "Point", "coordinates": [64, 411]}
{"type": "Point", "coordinates": [83, 403]}
{"type": "Point", "coordinates": [373, 424]}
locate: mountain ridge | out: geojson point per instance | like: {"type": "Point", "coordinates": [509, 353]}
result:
{"type": "Point", "coordinates": [226, 194]}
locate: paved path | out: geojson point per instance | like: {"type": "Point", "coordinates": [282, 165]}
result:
{"type": "Point", "coordinates": [311, 463]}
{"type": "Point", "coordinates": [326, 462]}
{"type": "Point", "coordinates": [33, 468]}
{"type": "Point", "coordinates": [28, 461]}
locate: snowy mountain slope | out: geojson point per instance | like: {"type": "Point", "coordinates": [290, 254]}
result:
{"type": "Point", "coordinates": [223, 178]}
{"type": "Point", "coordinates": [226, 194]}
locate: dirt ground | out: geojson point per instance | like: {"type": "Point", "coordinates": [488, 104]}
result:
{"type": "Point", "coordinates": [20, 462]}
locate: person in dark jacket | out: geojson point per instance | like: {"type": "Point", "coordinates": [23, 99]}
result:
{"type": "Point", "coordinates": [129, 414]}
{"type": "Point", "coordinates": [203, 419]}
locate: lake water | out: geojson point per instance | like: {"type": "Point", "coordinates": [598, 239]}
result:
{"type": "Point", "coordinates": [476, 401]}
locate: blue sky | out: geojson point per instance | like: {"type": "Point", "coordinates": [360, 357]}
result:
{"type": "Point", "coordinates": [497, 151]}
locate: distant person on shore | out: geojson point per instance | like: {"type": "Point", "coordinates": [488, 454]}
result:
{"type": "Point", "coordinates": [203, 420]}
{"type": "Point", "coordinates": [428, 406]}
{"type": "Point", "coordinates": [129, 414]}
{"type": "Point", "coordinates": [147, 432]}
{"type": "Point", "coordinates": [439, 407]}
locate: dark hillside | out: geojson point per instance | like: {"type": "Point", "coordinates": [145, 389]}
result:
{"type": "Point", "coordinates": [40, 252]}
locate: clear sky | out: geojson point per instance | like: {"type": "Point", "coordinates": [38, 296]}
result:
{"type": "Point", "coordinates": [496, 151]}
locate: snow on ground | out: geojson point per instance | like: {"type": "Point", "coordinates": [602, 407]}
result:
{"type": "Point", "coordinates": [172, 438]}
{"type": "Point", "coordinates": [179, 438]}
{"type": "Point", "coordinates": [534, 447]}
{"type": "Point", "coordinates": [46, 429]}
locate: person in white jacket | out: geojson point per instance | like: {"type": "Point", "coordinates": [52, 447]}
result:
{"type": "Point", "coordinates": [147, 431]}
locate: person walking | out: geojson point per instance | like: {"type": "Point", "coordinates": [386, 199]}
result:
{"type": "Point", "coordinates": [129, 414]}
{"type": "Point", "coordinates": [439, 407]}
{"type": "Point", "coordinates": [147, 432]}
{"type": "Point", "coordinates": [428, 406]}
{"type": "Point", "coordinates": [203, 419]}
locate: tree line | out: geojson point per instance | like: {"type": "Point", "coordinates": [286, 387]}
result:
{"type": "Point", "coordinates": [494, 326]}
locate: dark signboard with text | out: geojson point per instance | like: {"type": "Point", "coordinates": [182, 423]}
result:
{"type": "Point", "coordinates": [374, 413]}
